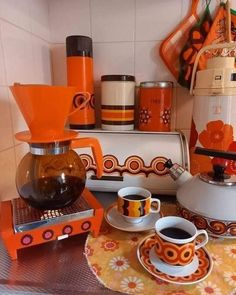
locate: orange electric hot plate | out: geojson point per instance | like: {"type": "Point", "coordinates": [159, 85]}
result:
{"type": "Point", "coordinates": [26, 136]}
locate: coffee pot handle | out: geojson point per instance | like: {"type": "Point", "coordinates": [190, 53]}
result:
{"type": "Point", "coordinates": [96, 150]}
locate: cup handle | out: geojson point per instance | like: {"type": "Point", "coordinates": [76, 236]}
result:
{"type": "Point", "coordinates": [79, 107]}
{"type": "Point", "coordinates": [159, 205]}
{"type": "Point", "coordinates": [203, 243]}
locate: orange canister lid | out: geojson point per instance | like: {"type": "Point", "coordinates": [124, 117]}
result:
{"type": "Point", "coordinates": [158, 84]}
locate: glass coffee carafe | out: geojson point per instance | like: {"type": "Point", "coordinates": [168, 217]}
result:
{"type": "Point", "coordinates": [51, 175]}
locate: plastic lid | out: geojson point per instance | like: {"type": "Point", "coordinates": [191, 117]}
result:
{"type": "Point", "coordinates": [118, 78]}
{"type": "Point", "coordinates": [79, 46]}
{"type": "Point", "coordinates": [159, 84]}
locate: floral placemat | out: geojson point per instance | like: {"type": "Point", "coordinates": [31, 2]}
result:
{"type": "Point", "coordinates": [113, 259]}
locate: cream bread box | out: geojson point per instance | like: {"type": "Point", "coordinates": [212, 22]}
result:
{"type": "Point", "coordinates": [135, 158]}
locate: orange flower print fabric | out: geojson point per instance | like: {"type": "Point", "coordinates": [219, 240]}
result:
{"type": "Point", "coordinates": [119, 268]}
{"type": "Point", "coordinates": [217, 135]}
{"type": "Point", "coordinates": [199, 163]}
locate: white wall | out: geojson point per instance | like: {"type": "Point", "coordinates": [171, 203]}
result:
{"type": "Point", "coordinates": [24, 58]}
{"type": "Point", "coordinates": [126, 37]}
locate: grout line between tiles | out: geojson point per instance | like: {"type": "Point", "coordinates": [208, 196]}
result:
{"type": "Point", "coordinates": [134, 45]}
{"type": "Point", "coordinates": [23, 29]}
{"type": "Point", "coordinates": [90, 19]}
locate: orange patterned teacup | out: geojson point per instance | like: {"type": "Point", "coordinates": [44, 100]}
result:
{"type": "Point", "coordinates": [176, 240]}
{"type": "Point", "coordinates": [135, 203]}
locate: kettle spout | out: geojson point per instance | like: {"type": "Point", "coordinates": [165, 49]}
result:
{"type": "Point", "coordinates": [177, 172]}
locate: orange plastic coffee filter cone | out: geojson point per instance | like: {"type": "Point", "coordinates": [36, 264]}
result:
{"type": "Point", "coordinates": [45, 108]}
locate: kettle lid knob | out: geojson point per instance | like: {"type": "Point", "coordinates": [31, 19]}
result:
{"type": "Point", "coordinates": [168, 164]}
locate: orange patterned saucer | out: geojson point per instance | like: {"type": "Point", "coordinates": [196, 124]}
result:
{"type": "Point", "coordinates": [203, 270]}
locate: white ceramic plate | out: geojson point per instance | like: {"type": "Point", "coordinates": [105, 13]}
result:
{"type": "Point", "coordinates": [171, 270]}
{"type": "Point", "coordinates": [116, 220]}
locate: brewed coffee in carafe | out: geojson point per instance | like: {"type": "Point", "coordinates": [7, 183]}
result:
{"type": "Point", "coordinates": [51, 175]}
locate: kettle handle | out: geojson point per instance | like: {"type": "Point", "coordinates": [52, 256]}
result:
{"type": "Point", "coordinates": [200, 52]}
{"type": "Point", "coordinates": [96, 150]}
{"type": "Point", "coordinates": [216, 153]}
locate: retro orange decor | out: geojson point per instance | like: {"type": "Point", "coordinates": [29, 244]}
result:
{"type": "Point", "coordinates": [79, 61]}
{"type": "Point", "coordinates": [174, 254]}
{"type": "Point", "coordinates": [50, 206]}
{"type": "Point", "coordinates": [133, 208]}
{"type": "Point", "coordinates": [213, 226]}
{"type": "Point", "coordinates": [45, 109]}
{"type": "Point", "coordinates": [216, 135]}
{"type": "Point", "coordinates": [15, 241]}
{"type": "Point", "coordinates": [155, 102]}
{"type": "Point", "coordinates": [132, 165]}
{"type": "Point", "coordinates": [199, 162]}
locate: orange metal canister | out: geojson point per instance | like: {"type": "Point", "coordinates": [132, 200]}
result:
{"type": "Point", "coordinates": [155, 100]}
{"type": "Point", "coordinates": [80, 74]}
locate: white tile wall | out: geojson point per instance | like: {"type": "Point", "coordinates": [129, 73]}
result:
{"type": "Point", "coordinates": [41, 61]}
{"type": "Point", "coordinates": [7, 179]}
{"type": "Point", "coordinates": [16, 12]}
{"type": "Point", "coordinates": [148, 64]}
{"type": "Point", "coordinates": [39, 18]}
{"type": "Point", "coordinates": [113, 58]}
{"type": "Point", "coordinates": [156, 19]}
{"type": "Point", "coordinates": [69, 18]}
{"type": "Point", "coordinates": [2, 68]}
{"type": "Point", "coordinates": [113, 20]}
{"type": "Point", "coordinates": [6, 130]}
{"type": "Point", "coordinates": [58, 55]}
{"type": "Point", "coordinates": [18, 53]}
{"type": "Point", "coordinates": [24, 58]}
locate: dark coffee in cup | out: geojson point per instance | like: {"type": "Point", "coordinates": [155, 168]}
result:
{"type": "Point", "coordinates": [175, 233]}
{"type": "Point", "coordinates": [134, 197]}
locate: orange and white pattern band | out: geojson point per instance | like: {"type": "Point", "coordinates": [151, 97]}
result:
{"type": "Point", "coordinates": [175, 254]}
{"type": "Point", "coordinates": [117, 115]}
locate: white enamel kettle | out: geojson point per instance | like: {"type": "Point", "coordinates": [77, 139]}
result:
{"type": "Point", "coordinates": [207, 199]}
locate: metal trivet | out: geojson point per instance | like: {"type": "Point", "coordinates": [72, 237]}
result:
{"type": "Point", "coordinates": [28, 218]}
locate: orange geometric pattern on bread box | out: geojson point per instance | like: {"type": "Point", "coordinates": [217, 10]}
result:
{"type": "Point", "coordinates": [132, 165]}
{"type": "Point", "coordinates": [174, 254]}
